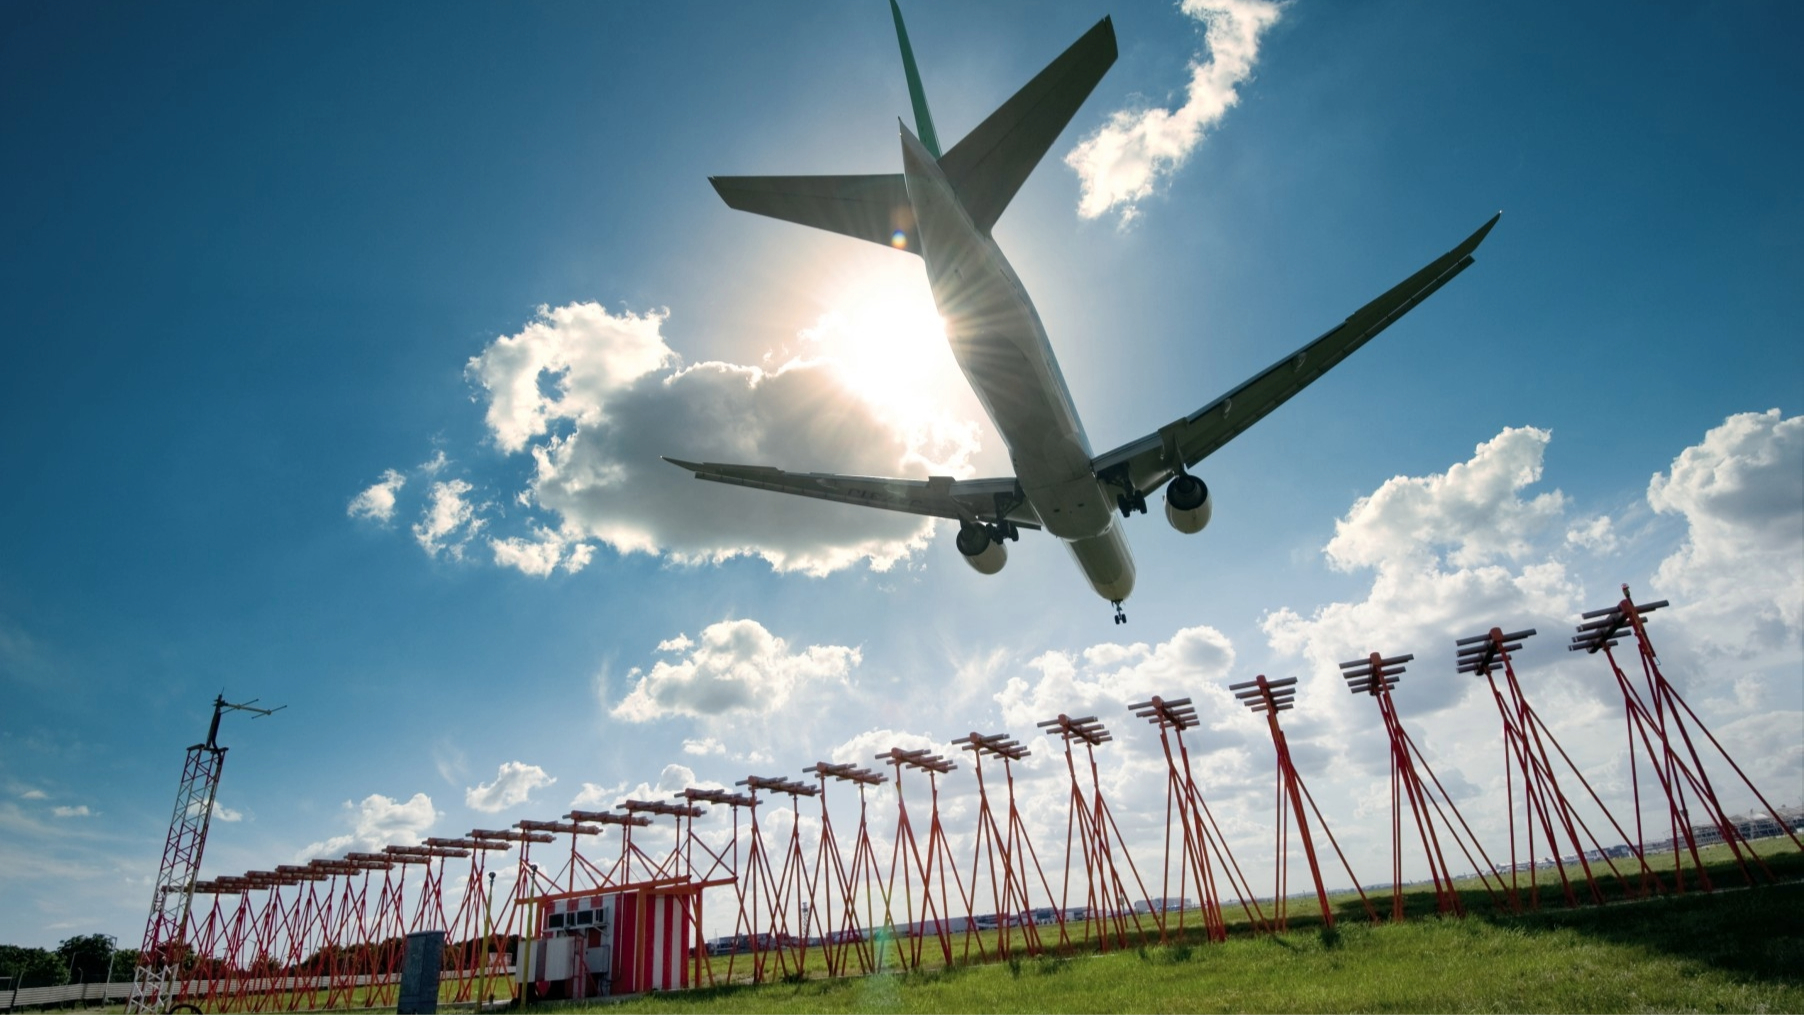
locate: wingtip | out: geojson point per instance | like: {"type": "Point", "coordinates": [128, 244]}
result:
{"type": "Point", "coordinates": [1478, 237]}
{"type": "Point", "coordinates": [679, 463]}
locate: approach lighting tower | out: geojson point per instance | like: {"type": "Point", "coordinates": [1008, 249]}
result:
{"type": "Point", "coordinates": [166, 931]}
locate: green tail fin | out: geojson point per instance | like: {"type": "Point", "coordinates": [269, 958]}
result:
{"type": "Point", "coordinates": [923, 119]}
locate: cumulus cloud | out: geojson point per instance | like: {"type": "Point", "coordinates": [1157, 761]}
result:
{"type": "Point", "coordinates": [449, 521]}
{"type": "Point", "coordinates": [514, 783]}
{"type": "Point", "coordinates": [545, 552]}
{"type": "Point", "coordinates": [1741, 565]}
{"type": "Point", "coordinates": [585, 352]}
{"type": "Point", "coordinates": [1108, 676]}
{"type": "Point", "coordinates": [1596, 534]}
{"type": "Point", "coordinates": [595, 398]}
{"type": "Point", "coordinates": [1470, 513]}
{"type": "Point", "coordinates": [1129, 157]}
{"type": "Point", "coordinates": [733, 666]}
{"type": "Point", "coordinates": [862, 749]}
{"type": "Point", "coordinates": [377, 503]}
{"type": "Point", "coordinates": [376, 822]}
{"type": "Point", "coordinates": [34, 794]}
{"type": "Point", "coordinates": [704, 746]}
{"type": "Point", "coordinates": [220, 811]}
{"type": "Point", "coordinates": [1452, 554]}
{"type": "Point", "coordinates": [672, 780]}
{"type": "Point", "coordinates": [78, 811]}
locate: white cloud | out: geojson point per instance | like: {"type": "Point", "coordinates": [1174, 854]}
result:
{"type": "Point", "coordinates": [34, 794]}
{"type": "Point", "coordinates": [1596, 534]}
{"type": "Point", "coordinates": [220, 811]}
{"type": "Point", "coordinates": [594, 795]}
{"type": "Point", "coordinates": [704, 746]}
{"type": "Point", "coordinates": [733, 666]}
{"type": "Point", "coordinates": [1126, 160]}
{"type": "Point", "coordinates": [449, 521]}
{"type": "Point", "coordinates": [1108, 676]}
{"type": "Point", "coordinates": [78, 811]}
{"type": "Point", "coordinates": [376, 822]}
{"type": "Point", "coordinates": [1470, 512]}
{"type": "Point", "coordinates": [539, 556]}
{"type": "Point", "coordinates": [862, 749]}
{"type": "Point", "coordinates": [377, 503]}
{"type": "Point", "coordinates": [1453, 554]}
{"type": "Point", "coordinates": [588, 355]}
{"type": "Point", "coordinates": [672, 780]}
{"type": "Point", "coordinates": [514, 783]}
{"type": "Point", "coordinates": [596, 398]}
{"type": "Point", "coordinates": [1741, 566]}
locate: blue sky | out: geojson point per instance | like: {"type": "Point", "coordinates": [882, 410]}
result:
{"type": "Point", "coordinates": [260, 254]}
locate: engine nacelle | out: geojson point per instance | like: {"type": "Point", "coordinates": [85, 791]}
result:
{"type": "Point", "coordinates": [1187, 504]}
{"type": "Point", "coordinates": [981, 549]}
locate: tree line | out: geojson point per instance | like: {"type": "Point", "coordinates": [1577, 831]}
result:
{"type": "Point", "coordinates": [86, 958]}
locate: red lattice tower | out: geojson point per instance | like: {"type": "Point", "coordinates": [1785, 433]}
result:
{"type": "Point", "coordinates": [515, 921]}
{"type": "Point", "coordinates": [906, 858]}
{"type": "Point", "coordinates": [722, 869]}
{"type": "Point", "coordinates": [1659, 734]}
{"type": "Point", "coordinates": [469, 934]}
{"type": "Point", "coordinates": [776, 890]}
{"type": "Point", "coordinates": [1547, 811]}
{"type": "Point", "coordinates": [1090, 828]}
{"type": "Point", "coordinates": [576, 824]}
{"type": "Point", "coordinates": [672, 864]}
{"type": "Point", "coordinates": [166, 931]}
{"type": "Point", "coordinates": [845, 941]}
{"type": "Point", "coordinates": [1374, 676]}
{"type": "Point", "coordinates": [1006, 848]}
{"type": "Point", "coordinates": [1272, 697]}
{"type": "Point", "coordinates": [1201, 837]}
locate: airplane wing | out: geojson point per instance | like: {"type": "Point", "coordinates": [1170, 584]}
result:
{"type": "Point", "coordinates": [1144, 464]}
{"type": "Point", "coordinates": [936, 496]}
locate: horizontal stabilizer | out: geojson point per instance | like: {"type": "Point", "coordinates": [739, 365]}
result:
{"type": "Point", "coordinates": [871, 208]}
{"type": "Point", "coordinates": [991, 163]}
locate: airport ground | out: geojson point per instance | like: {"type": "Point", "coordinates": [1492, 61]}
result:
{"type": "Point", "coordinates": [1731, 950]}
{"type": "Point", "coordinates": [1734, 949]}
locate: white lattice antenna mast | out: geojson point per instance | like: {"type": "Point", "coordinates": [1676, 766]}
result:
{"type": "Point", "coordinates": [166, 932]}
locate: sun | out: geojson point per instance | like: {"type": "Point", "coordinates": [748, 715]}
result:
{"type": "Point", "coordinates": [889, 345]}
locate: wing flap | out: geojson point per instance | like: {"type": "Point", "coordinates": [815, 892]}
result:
{"type": "Point", "coordinates": [1150, 461]}
{"type": "Point", "coordinates": [935, 496]}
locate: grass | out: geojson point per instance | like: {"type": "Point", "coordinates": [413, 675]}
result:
{"type": "Point", "coordinates": [1732, 950]}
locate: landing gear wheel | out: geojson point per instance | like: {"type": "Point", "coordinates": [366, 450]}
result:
{"type": "Point", "coordinates": [1120, 616]}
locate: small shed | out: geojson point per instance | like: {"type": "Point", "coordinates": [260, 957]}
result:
{"type": "Point", "coordinates": [624, 939]}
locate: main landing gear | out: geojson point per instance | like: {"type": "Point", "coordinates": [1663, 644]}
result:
{"type": "Point", "coordinates": [1120, 616]}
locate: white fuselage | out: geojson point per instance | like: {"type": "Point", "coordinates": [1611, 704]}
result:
{"type": "Point", "coordinates": [1000, 344]}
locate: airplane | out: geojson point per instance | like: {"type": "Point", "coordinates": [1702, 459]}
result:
{"type": "Point", "coordinates": [941, 207]}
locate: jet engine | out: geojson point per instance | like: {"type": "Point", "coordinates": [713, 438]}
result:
{"type": "Point", "coordinates": [982, 550]}
{"type": "Point", "coordinates": [1187, 504]}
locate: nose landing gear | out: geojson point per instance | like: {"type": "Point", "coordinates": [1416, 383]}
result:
{"type": "Point", "coordinates": [1120, 616]}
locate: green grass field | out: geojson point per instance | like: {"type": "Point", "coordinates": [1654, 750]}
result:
{"type": "Point", "coordinates": [1736, 950]}
{"type": "Point", "coordinates": [1733, 950]}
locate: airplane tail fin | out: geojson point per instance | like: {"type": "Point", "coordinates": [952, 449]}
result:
{"type": "Point", "coordinates": [990, 164]}
{"type": "Point", "coordinates": [916, 95]}
{"type": "Point", "coordinates": [985, 169]}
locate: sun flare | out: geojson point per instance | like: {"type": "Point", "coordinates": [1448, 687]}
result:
{"type": "Point", "coordinates": [889, 345]}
